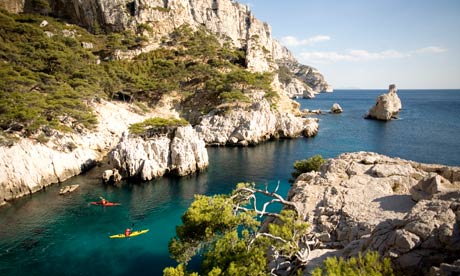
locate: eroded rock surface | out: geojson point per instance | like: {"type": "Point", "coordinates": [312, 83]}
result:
{"type": "Point", "coordinates": [249, 126]}
{"type": "Point", "coordinates": [176, 150]}
{"type": "Point", "coordinates": [29, 166]}
{"type": "Point", "coordinates": [387, 106]}
{"type": "Point", "coordinates": [364, 201]}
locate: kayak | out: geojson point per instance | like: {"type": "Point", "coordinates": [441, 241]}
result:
{"type": "Point", "coordinates": [133, 234]}
{"type": "Point", "coordinates": [106, 204]}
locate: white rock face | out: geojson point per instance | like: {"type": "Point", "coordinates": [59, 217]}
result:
{"type": "Point", "coordinates": [306, 74]}
{"type": "Point", "coordinates": [298, 89]}
{"type": "Point", "coordinates": [178, 151]}
{"type": "Point", "coordinates": [362, 201]}
{"type": "Point", "coordinates": [226, 18]}
{"type": "Point", "coordinates": [387, 106]}
{"type": "Point", "coordinates": [29, 166]}
{"type": "Point", "coordinates": [251, 126]}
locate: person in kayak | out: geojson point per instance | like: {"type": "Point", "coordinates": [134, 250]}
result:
{"type": "Point", "coordinates": [103, 201]}
{"type": "Point", "coordinates": [128, 232]}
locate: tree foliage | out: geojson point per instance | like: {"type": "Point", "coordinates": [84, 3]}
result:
{"type": "Point", "coordinates": [155, 123]}
{"type": "Point", "coordinates": [227, 233]}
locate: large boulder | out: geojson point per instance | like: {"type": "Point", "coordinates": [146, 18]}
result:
{"type": "Point", "coordinates": [387, 106]}
{"type": "Point", "coordinates": [176, 150]}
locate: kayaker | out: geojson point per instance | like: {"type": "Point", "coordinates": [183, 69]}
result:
{"type": "Point", "coordinates": [128, 231]}
{"type": "Point", "coordinates": [103, 200]}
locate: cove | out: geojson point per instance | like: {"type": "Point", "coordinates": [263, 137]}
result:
{"type": "Point", "coordinates": [64, 235]}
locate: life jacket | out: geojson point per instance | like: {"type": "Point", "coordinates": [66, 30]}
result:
{"type": "Point", "coordinates": [127, 232]}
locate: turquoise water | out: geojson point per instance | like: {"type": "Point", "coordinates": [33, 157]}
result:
{"type": "Point", "coordinates": [48, 234]}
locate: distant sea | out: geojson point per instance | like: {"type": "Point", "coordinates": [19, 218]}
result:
{"type": "Point", "coordinates": [47, 234]}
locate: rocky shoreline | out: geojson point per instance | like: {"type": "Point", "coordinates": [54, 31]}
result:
{"type": "Point", "coordinates": [29, 166]}
{"type": "Point", "coordinates": [407, 211]}
{"type": "Point", "coordinates": [243, 127]}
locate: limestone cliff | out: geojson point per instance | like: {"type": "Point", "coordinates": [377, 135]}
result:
{"type": "Point", "coordinates": [177, 151]}
{"type": "Point", "coordinates": [251, 125]}
{"type": "Point", "coordinates": [312, 80]}
{"type": "Point", "coordinates": [29, 166]}
{"type": "Point", "coordinates": [228, 19]}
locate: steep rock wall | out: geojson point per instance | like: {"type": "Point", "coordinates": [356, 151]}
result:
{"type": "Point", "coordinates": [177, 150]}
{"type": "Point", "coordinates": [249, 126]}
{"type": "Point", "coordinates": [29, 166]}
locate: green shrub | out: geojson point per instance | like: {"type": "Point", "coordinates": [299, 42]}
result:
{"type": "Point", "coordinates": [234, 96]}
{"type": "Point", "coordinates": [369, 264]}
{"type": "Point", "coordinates": [307, 165]}
{"type": "Point", "coordinates": [157, 122]}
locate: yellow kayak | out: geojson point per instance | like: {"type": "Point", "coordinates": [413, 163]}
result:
{"type": "Point", "coordinates": [133, 234]}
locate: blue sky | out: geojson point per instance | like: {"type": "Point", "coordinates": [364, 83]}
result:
{"type": "Point", "coordinates": [371, 43]}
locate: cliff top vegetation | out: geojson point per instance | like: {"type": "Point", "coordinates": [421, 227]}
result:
{"type": "Point", "coordinates": [49, 73]}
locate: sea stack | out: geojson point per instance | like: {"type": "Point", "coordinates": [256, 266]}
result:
{"type": "Point", "coordinates": [387, 107]}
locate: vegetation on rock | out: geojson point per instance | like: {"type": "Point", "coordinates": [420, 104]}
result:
{"type": "Point", "coordinates": [154, 123]}
{"type": "Point", "coordinates": [369, 264]}
{"type": "Point", "coordinates": [307, 165]}
{"type": "Point", "coordinates": [47, 77]}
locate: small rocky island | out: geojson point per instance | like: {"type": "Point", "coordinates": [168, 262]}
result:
{"type": "Point", "coordinates": [387, 106]}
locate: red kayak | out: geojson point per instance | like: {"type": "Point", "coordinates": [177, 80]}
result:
{"type": "Point", "coordinates": [105, 204]}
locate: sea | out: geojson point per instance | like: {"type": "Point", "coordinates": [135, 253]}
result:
{"type": "Point", "coordinates": [48, 234]}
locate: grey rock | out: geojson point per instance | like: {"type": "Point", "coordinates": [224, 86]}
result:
{"type": "Point", "coordinates": [431, 185]}
{"type": "Point", "coordinates": [242, 126]}
{"type": "Point", "coordinates": [28, 166]}
{"type": "Point", "coordinates": [87, 45]}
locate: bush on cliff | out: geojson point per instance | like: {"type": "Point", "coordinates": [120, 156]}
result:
{"type": "Point", "coordinates": [155, 123]}
{"type": "Point", "coordinates": [370, 264]}
{"type": "Point", "coordinates": [307, 165]}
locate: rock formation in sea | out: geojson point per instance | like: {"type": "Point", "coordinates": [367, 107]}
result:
{"type": "Point", "coordinates": [336, 108]}
{"type": "Point", "coordinates": [364, 201]}
{"type": "Point", "coordinates": [387, 106]}
{"type": "Point", "coordinates": [174, 150]}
